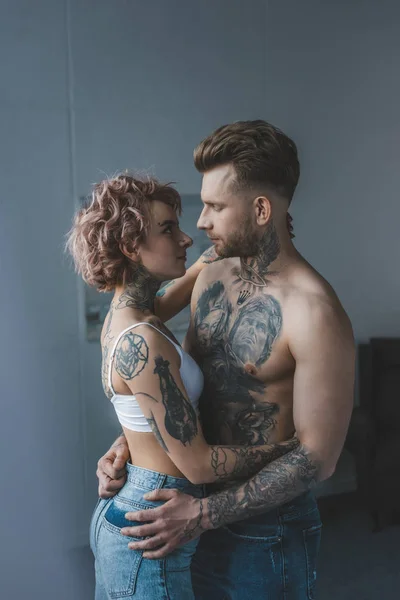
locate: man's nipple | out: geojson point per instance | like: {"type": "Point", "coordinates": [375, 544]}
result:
{"type": "Point", "coordinates": [250, 369]}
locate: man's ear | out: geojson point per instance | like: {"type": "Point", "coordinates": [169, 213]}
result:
{"type": "Point", "coordinates": [132, 253]}
{"type": "Point", "coordinates": [263, 209]}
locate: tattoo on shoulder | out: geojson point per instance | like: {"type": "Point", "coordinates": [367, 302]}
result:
{"type": "Point", "coordinates": [132, 356]}
{"type": "Point", "coordinates": [180, 416]}
{"type": "Point", "coordinates": [154, 427]}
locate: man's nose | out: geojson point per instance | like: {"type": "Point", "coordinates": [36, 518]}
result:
{"type": "Point", "coordinates": [204, 222]}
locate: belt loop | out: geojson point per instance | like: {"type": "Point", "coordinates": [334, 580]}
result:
{"type": "Point", "coordinates": [161, 480]}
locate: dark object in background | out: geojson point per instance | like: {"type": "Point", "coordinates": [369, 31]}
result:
{"type": "Point", "coordinates": [374, 432]}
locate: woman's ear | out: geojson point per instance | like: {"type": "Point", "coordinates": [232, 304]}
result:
{"type": "Point", "coordinates": [263, 208]}
{"type": "Point", "coordinates": [132, 253]}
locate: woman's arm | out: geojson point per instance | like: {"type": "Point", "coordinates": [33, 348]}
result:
{"type": "Point", "coordinates": [150, 366]}
{"type": "Point", "coordinates": [175, 295]}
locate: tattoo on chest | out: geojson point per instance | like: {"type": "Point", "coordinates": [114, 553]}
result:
{"type": "Point", "coordinates": [230, 344]}
{"type": "Point", "coordinates": [243, 296]}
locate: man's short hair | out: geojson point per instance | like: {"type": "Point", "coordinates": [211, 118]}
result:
{"type": "Point", "coordinates": [262, 155]}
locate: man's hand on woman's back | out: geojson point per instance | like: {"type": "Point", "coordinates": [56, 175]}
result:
{"type": "Point", "coordinates": [111, 468]}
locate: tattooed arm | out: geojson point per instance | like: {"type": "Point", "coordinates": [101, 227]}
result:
{"type": "Point", "coordinates": [175, 295]}
{"type": "Point", "coordinates": [149, 364]}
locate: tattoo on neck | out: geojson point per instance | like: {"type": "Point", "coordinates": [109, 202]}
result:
{"type": "Point", "coordinates": [141, 292]}
{"type": "Point", "coordinates": [254, 269]}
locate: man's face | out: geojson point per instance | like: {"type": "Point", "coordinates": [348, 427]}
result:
{"type": "Point", "coordinates": [227, 217]}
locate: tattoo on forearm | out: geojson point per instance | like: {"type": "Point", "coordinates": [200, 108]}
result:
{"type": "Point", "coordinates": [180, 416]}
{"type": "Point", "coordinates": [230, 462]}
{"type": "Point", "coordinates": [192, 531]}
{"type": "Point", "coordinates": [154, 427]}
{"type": "Point", "coordinates": [276, 484]}
{"type": "Point", "coordinates": [161, 292]}
{"type": "Point", "coordinates": [116, 445]}
{"type": "Point", "coordinates": [132, 355]}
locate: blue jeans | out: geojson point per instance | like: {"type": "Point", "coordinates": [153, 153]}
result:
{"type": "Point", "coordinates": [124, 573]}
{"type": "Point", "coordinates": [271, 557]}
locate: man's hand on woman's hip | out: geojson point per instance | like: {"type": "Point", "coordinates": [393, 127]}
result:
{"type": "Point", "coordinates": [111, 468]}
{"type": "Point", "coordinates": [176, 522]}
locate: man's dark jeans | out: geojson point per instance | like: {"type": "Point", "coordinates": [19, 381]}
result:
{"type": "Point", "coordinates": [270, 557]}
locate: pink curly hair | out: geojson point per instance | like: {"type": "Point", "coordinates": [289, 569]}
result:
{"type": "Point", "coordinates": [118, 215]}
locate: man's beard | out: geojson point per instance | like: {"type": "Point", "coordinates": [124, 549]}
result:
{"type": "Point", "coordinates": [241, 243]}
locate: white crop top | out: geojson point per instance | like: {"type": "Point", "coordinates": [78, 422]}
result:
{"type": "Point", "coordinates": [127, 407]}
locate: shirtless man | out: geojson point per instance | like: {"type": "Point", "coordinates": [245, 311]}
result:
{"type": "Point", "coordinates": [277, 352]}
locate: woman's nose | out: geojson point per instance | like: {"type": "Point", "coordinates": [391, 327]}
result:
{"type": "Point", "coordinates": [186, 241]}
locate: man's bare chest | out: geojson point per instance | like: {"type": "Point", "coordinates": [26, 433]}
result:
{"type": "Point", "coordinates": [238, 326]}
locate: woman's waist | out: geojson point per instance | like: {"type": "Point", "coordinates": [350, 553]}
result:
{"type": "Point", "coordinates": [146, 453]}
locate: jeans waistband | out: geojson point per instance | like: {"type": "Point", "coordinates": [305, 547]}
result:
{"type": "Point", "coordinates": [147, 479]}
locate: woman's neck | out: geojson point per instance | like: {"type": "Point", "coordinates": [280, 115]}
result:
{"type": "Point", "coordinates": [140, 293]}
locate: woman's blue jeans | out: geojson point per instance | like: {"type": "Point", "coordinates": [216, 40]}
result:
{"type": "Point", "coordinates": [124, 573]}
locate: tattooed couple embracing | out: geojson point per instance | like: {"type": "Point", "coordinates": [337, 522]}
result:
{"type": "Point", "coordinates": [208, 492]}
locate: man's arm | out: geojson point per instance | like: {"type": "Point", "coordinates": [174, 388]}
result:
{"type": "Point", "coordinates": [175, 295]}
{"type": "Point", "coordinates": [323, 347]}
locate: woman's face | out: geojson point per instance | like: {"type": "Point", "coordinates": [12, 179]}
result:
{"type": "Point", "coordinates": [163, 253]}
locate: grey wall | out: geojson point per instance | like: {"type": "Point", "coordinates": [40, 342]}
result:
{"type": "Point", "coordinates": [41, 434]}
{"type": "Point", "coordinates": [96, 86]}
{"type": "Point", "coordinates": [87, 88]}
{"type": "Point", "coordinates": [333, 82]}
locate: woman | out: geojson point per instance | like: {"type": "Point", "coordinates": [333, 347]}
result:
{"type": "Point", "coordinates": [128, 240]}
